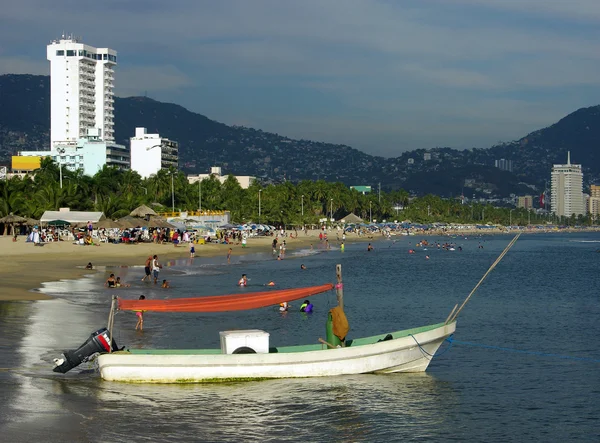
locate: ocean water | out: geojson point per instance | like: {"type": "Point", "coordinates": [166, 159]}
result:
{"type": "Point", "coordinates": [524, 363]}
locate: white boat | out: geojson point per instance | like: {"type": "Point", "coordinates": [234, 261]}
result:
{"type": "Point", "coordinates": [410, 350]}
{"type": "Point", "coordinates": [246, 354]}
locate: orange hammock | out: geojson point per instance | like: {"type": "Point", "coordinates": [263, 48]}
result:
{"type": "Point", "coordinates": [223, 303]}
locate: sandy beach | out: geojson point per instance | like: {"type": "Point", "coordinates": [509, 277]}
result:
{"type": "Point", "coordinates": [26, 266]}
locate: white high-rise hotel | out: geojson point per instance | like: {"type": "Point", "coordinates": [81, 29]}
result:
{"type": "Point", "coordinates": [81, 90]}
{"type": "Point", "coordinates": [567, 189]}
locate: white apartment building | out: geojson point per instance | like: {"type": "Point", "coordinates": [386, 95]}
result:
{"type": "Point", "coordinates": [150, 153]}
{"type": "Point", "coordinates": [81, 90]}
{"type": "Point", "coordinates": [244, 180]}
{"type": "Point", "coordinates": [89, 153]}
{"type": "Point", "coordinates": [567, 189]}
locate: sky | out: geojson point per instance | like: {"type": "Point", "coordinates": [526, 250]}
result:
{"type": "Point", "coordinates": [383, 76]}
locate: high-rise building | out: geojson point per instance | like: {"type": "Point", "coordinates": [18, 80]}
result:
{"type": "Point", "coordinates": [594, 202]}
{"type": "Point", "coordinates": [504, 165]}
{"type": "Point", "coordinates": [567, 189]}
{"type": "Point", "coordinates": [151, 153]}
{"type": "Point", "coordinates": [525, 201]}
{"type": "Point", "coordinates": [81, 90]}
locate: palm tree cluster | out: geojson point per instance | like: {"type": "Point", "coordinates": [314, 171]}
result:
{"type": "Point", "coordinates": [116, 193]}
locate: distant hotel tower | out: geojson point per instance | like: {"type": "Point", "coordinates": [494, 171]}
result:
{"type": "Point", "coordinates": [81, 90]}
{"type": "Point", "coordinates": [567, 189]}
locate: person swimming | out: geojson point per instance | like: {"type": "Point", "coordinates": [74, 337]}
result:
{"type": "Point", "coordinates": [283, 307]}
{"type": "Point", "coordinates": [89, 266]}
{"type": "Point", "coordinates": [306, 306]}
{"type": "Point", "coordinates": [243, 281]}
{"type": "Point", "coordinates": [165, 284]}
{"type": "Point", "coordinates": [120, 284]}
{"type": "Point", "coordinates": [302, 266]}
{"type": "Point", "coordinates": [271, 283]}
{"type": "Point", "coordinates": [110, 281]}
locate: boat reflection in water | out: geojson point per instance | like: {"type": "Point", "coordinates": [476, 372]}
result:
{"type": "Point", "coordinates": [349, 408]}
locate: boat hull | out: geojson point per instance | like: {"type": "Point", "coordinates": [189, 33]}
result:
{"type": "Point", "coordinates": [407, 353]}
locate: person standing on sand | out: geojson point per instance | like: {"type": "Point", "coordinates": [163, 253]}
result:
{"type": "Point", "coordinates": [229, 255]}
{"type": "Point", "coordinates": [156, 267]}
{"type": "Point", "coordinates": [147, 268]}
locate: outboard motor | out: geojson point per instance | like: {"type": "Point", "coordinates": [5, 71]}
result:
{"type": "Point", "coordinates": [97, 342]}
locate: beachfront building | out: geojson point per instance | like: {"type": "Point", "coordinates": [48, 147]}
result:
{"type": "Point", "coordinates": [81, 90]}
{"type": "Point", "coordinates": [362, 189]}
{"type": "Point", "coordinates": [525, 201]}
{"type": "Point", "coordinates": [567, 189]}
{"type": "Point", "coordinates": [244, 180]}
{"type": "Point", "coordinates": [594, 202]}
{"type": "Point", "coordinates": [150, 153]}
{"type": "Point", "coordinates": [89, 153]}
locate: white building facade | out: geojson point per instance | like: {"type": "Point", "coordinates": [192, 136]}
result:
{"type": "Point", "coordinates": [89, 154]}
{"type": "Point", "coordinates": [81, 90]}
{"type": "Point", "coordinates": [567, 190]}
{"type": "Point", "coordinates": [244, 180]}
{"type": "Point", "coordinates": [150, 153]}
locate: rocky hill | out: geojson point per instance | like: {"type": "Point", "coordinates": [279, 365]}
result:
{"type": "Point", "coordinates": [24, 124]}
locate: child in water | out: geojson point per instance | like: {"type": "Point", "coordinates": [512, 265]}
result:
{"type": "Point", "coordinates": [140, 316]}
{"type": "Point", "coordinates": [165, 284]}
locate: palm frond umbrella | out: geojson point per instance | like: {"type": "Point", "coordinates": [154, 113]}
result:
{"type": "Point", "coordinates": [32, 222]}
{"type": "Point", "coordinates": [11, 219]}
{"type": "Point", "coordinates": [132, 222]}
{"type": "Point", "coordinates": [107, 224]}
{"type": "Point", "coordinates": [160, 222]}
{"type": "Point", "coordinates": [142, 211]}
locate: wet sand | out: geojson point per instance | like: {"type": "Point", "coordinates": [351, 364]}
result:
{"type": "Point", "coordinates": [25, 266]}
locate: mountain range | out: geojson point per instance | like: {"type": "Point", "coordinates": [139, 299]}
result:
{"type": "Point", "coordinates": [25, 125]}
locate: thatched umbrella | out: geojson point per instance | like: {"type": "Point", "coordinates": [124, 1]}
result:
{"type": "Point", "coordinates": [11, 219]}
{"type": "Point", "coordinates": [160, 222]}
{"type": "Point", "coordinates": [32, 222]}
{"type": "Point", "coordinates": [107, 224]}
{"type": "Point", "coordinates": [142, 211]}
{"type": "Point", "coordinates": [131, 222]}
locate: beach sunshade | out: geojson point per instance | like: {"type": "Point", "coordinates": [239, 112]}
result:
{"type": "Point", "coordinates": [107, 224]}
{"type": "Point", "coordinates": [58, 223]}
{"type": "Point", "coordinates": [32, 222]}
{"type": "Point", "coordinates": [142, 211]}
{"type": "Point", "coordinates": [159, 222]}
{"type": "Point", "coordinates": [131, 222]}
{"type": "Point", "coordinates": [11, 218]}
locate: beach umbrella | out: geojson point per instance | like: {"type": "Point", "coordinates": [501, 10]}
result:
{"type": "Point", "coordinates": [107, 224]}
{"type": "Point", "coordinates": [131, 222]}
{"type": "Point", "coordinates": [11, 219]}
{"type": "Point", "coordinates": [159, 222]}
{"type": "Point", "coordinates": [142, 211]}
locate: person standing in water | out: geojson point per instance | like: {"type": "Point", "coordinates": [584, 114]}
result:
{"type": "Point", "coordinates": [148, 268]}
{"type": "Point", "coordinates": [140, 316]}
{"type": "Point", "coordinates": [229, 255]}
{"type": "Point", "coordinates": [156, 267]}
{"type": "Point", "coordinates": [243, 281]}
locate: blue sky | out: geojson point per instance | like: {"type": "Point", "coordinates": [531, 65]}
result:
{"type": "Point", "coordinates": [381, 76]}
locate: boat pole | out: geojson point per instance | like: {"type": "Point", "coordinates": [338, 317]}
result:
{"type": "Point", "coordinates": [111, 321]}
{"type": "Point", "coordinates": [500, 257]}
{"type": "Point", "coordinates": [339, 288]}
